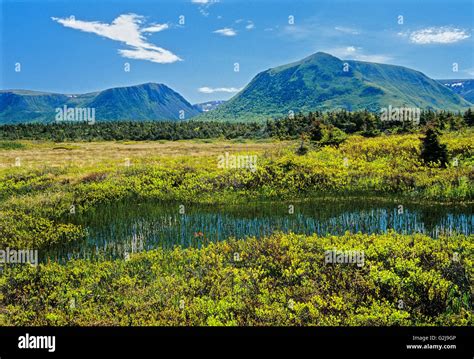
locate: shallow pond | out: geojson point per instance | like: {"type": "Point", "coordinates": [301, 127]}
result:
{"type": "Point", "coordinates": [118, 229]}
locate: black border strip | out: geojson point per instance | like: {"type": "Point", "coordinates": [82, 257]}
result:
{"type": "Point", "coordinates": [354, 342]}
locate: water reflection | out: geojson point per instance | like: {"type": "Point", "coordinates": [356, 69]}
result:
{"type": "Point", "coordinates": [116, 230]}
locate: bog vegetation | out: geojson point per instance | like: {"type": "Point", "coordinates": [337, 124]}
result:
{"type": "Point", "coordinates": [40, 181]}
{"type": "Point", "coordinates": [37, 194]}
{"type": "Point", "coordinates": [280, 280]}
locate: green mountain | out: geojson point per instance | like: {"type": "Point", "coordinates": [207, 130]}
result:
{"type": "Point", "coordinates": [18, 106]}
{"type": "Point", "coordinates": [463, 87]}
{"type": "Point", "coordinates": [137, 103]}
{"type": "Point", "coordinates": [324, 82]}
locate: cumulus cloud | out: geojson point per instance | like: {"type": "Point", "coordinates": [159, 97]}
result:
{"type": "Point", "coordinates": [438, 35]}
{"type": "Point", "coordinates": [127, 29]}
{"type": "Point", "coordinates": [206, 89]}
{"type": "Point", "coordinates": [250, 25]}
{"type": "Point", "coordinates": [226, 31]}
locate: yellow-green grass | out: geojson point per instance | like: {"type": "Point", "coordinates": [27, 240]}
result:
{"type": "Point", "coordinates": [89, 154]}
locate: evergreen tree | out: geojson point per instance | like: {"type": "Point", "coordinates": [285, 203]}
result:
{"type": "Point", "coordinates": [316, 131]}
{"type": "Point", "coordinates": [432, 151]}
{"type": "Point", "coordinates": [302, 149]}
{"type": "Point", "coordinates": [469, 117]}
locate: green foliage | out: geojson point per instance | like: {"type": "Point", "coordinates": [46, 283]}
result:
{"type": "Point", "coordinates": [21, 230]}
{"type": "Point", "coordinates": [432, 151]}
{"type": "Point", "coordinates": [315, 131]}
{"type": "Point", "coordinates": [302, 149]}
{"type": "Point", "coordinates": [279, 280]}
{"type": "Point", "coordinates": [332, 136]}
{"type": "Point", "coordinates": [469, 117]}
{"type": "Point", "coordinates": [11, 145]}
{"type": "Point", "coordinates": [126, 130]}
{"type": "Point", "coordinates": [291, 127]}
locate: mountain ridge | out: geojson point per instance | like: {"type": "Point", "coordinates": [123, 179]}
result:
{"type": "Point", "coordinates": [324, 82]}
{"type": "Point", "coordinates": [319, 81]}
{"type": "Point", "coordinates": [148, 101]}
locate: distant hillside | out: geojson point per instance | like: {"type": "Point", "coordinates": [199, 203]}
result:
{"type": "Point", "coordinates": [319, 82]}
{"type": "Point", "coordinates": [137, 103]}
{"type": "Point", "coordinates": [209, 106]}
{"type": "Point", "coordinates": [464, 88]}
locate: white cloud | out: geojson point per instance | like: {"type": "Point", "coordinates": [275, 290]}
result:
{"type": "Point", "coordinates": [126, 29]}
{"type": "Point", "coordinates": [162, 56]}
{"type": "Point", "coordinates": [243, 23]}
{"type": "Point", "coordinates": [206, 89]}
{"type": "Point", "coordinates": [356, 53]}
{"type": "Point", "coordinates": [156, 28]}
{"type": "Point", "coordinates": [227, 31]}
{"type": "Point", "coordinates": [438, 35]}
{"type": "Point", "coordinates": [204, 5]}
{"type": "Point", "coordinates": [347, 30]}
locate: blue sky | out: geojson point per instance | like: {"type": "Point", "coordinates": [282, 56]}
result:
{"type": "Point", "coordinates": [89, 51]}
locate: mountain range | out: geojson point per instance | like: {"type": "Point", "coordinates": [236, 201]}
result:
{"type": "Point", "coordinates": [318, 82]}
{"type": "Point", "coordinates": [464, 88]}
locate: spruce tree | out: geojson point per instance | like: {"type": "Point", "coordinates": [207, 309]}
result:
{"type": "Point", "coordinates": [469, 117]}
{"type": "Point", "coordinates": [432, 151]}
{"type": "Point", "coordinates": [316, 131]}
{"type": "Point", "coordinates": [302, 149]}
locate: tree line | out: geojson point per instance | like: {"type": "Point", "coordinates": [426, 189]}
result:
{"type": "Point", "coordinates": [328, 127]}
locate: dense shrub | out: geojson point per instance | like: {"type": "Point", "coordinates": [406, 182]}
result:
{"type": "Point", "coordinates": [280, 280]}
